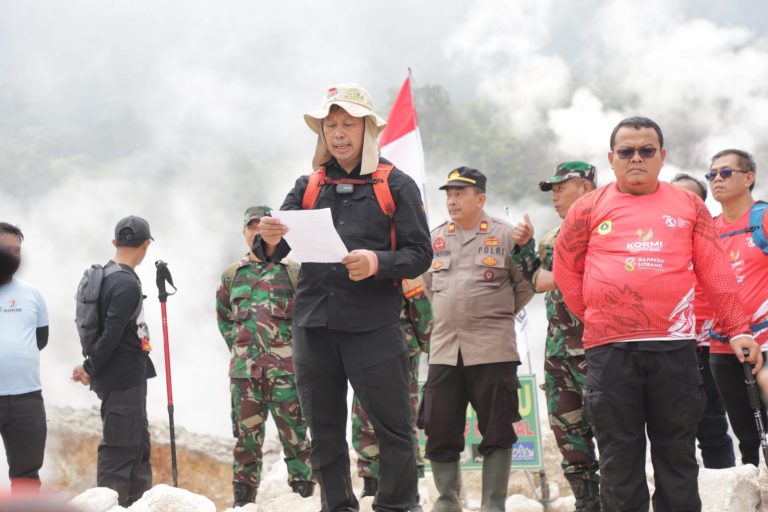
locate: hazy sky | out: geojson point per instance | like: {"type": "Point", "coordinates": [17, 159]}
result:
{"type": "Point", "coordinates": [188, 112]}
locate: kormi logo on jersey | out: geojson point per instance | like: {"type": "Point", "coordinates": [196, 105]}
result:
{"type": "Point", "coordinates": [645, 242]}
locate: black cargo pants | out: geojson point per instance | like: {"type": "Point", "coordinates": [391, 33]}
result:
{"type": "Point", "coordinates": [123, 462]}
{"type": "Point", "coordinates": [23, 429]}
{"type": "Point", "coordinates": [376, 364]}
{"type": "Point", "coordinates": [629, 392]}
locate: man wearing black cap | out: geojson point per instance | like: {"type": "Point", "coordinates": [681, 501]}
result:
{"type": "Point", "coordinates": [117, 367]}
{"type": "Point", "coordinates": [476, 292]}
{"type": "Point", "coordinates": [565, 365]}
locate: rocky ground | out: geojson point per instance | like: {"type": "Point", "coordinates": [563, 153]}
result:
{"type": "Point", "coordinates": [205, 476]}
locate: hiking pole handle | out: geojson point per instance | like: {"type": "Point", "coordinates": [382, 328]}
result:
{"type": "Point", "coordinates": [163, 275]}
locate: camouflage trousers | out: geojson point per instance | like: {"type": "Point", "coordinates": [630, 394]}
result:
{"type": "Point", "coordinates": [364, 439]}
{"type": "Point", "coordinates": [564, 378]}
{"type": "Point", "coordinates": [252, 401]}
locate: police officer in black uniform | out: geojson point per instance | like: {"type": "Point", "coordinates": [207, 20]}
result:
{"type": "Point", "coordinates": [346, 315]}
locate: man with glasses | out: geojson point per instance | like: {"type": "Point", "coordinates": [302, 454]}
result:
{"type": "Point", "coordinates": [732, 178]}
{"type": "Point", "coordinates": [623, 262]}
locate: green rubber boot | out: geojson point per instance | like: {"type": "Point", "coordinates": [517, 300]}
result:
{"type": "Point", "coordinates": [447, 477]}
{"type": "Point", "coordinates": [496, 466]}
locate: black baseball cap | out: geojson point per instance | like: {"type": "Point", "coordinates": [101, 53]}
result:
{"type": "Point", "coordinates": [132, 230]}
{"type": "Point", "coordinates": [465, 177]}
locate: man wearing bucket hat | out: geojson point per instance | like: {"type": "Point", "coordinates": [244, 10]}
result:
{"type": "Point", "coordinates": [346, 314]}
{"type": "Point", "coordinates": [476, 291]}
{"type": "Point", "coordinates": [565, 365]}
{"type": "Point", "coordinates": [254, 306]}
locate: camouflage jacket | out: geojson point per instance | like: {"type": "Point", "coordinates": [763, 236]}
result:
{"type": "Point", "coordinates": [416, 317]}
{"type": "Point", "coordinates": [564, 331]}
{"type": "Point", "coordinates": [254, 312]}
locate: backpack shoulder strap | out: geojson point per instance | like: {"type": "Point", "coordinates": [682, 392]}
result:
{"type": "Point", "coordinates": [313, 189]}
{"type": "Point", "coordinates": [382, 191]}
{"type": "Point", "coordinates": [756, 215]}
{"type": "Point", "coordinates": [229, 275]}
{"type": "Point", "coordinates": [293, 268]}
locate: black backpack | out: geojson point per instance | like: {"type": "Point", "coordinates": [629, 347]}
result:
{"type": "Point", "coordinates": [87, 303]}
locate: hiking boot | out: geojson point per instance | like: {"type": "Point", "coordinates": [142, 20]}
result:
{"type": "Point", "coordinates": [303, 488]}
{"type": "Point", "coordinates": [496, 467]}
{"type": "Point", "coordinates": [587, 494]}
{"type": "Point", "coordinates": [447, 477]}
{"type": "Point", "coordinates": [244, 494]}
{"type": "Point", "coordinates": [370, 486]}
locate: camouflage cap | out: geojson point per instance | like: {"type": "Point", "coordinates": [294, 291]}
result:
{"type": "Point", "coordinates": [256, 212]}
{"type": "Point", "coordinates": [568, 170]}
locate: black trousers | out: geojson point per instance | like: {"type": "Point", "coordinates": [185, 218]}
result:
{"type": "Point", "coordinates": [729, 377]}
{"type": "Point", "coordinates": [492, 391]}
{"type": "Point", "coordinates": [712, 432]}
{"type": "Point", "coordinates": [23, 429]}
{"type": "Point", "coordinates": [375, 363]}
{"type": "Point", "coordinates": [629, 393]}
{"type": "Point", "coordinates": [124, 452]}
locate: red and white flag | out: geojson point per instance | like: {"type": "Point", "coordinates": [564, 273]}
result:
{"type": "Point", "coordinates": [400, 142]}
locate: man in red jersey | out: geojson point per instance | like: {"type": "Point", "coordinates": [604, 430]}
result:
{"type": "Point", "coordinates": [627, 262]}
{"type": "Point", "coordinates": [712, 431]}
{"type": "Point", "coordinates": [732, 178]}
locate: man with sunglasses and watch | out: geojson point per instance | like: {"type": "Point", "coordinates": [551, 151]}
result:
{"type": "Point", "coordinates": [732, 179]}
{"type": "Point", "coordinates": [627, 261]}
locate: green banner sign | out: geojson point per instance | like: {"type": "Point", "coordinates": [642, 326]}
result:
{"type": "Point", "coordinates": [526, 452]}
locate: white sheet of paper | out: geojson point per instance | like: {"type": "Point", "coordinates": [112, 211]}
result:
{"type": "Point", "coordinates": [312, 236]}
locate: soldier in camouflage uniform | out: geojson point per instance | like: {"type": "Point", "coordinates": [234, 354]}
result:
{"type": "Point", "coordinates": [416, 322]}
{"type": "Point", "coordinates": [254, 306]}
{"type": "Point", "coordinates": [565, 364]}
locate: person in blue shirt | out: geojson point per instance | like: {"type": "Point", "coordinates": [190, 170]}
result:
{"type": "Point", "coordinates": [23, 334]}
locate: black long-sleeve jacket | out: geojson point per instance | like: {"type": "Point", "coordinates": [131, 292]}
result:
{"type": "Point", "coordinates": [326, 296]}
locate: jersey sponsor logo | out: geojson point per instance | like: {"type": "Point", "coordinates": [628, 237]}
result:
{"type": "Point", "coordinates": [488, 261]}
{"type": "Point", "coordinates": [643, 263]}
{"type": "Point", "coordinates": [451, 228]}
{"type": "Point", "coordinates": [488, 275]}
{"type": "Point", "coordinates": [605, 227]}
{"type": "Point", "coordinates": [13, 307]}
{"type": "Point", "coordinates": [645, 242]}
{"type": "Point", "coordinates": [439, 244]}
{"type": "Point", "coordinates": [629, 264]}
{"type": "Point", "coordinates": [675, 222]}
{"type": "Point", "coordinates": [437, 265]}
{"type": "Point", "coordinates": [492, 241]}
{"type": "Point", "coordinates": [483, 226]}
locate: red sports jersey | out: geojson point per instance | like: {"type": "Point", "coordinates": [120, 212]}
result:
{"type": "Point", "coordinates": [750, 265]}
{"type": "Point", "coordinates": [627, 265]}
{"type": "Point", "coordinates": [704, 318]}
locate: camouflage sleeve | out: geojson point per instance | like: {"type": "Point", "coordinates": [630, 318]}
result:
{"type": "Point", "coordinates": [224, 313]}
{"type": "Point", "coordinates": [522, 288]}
{"type": "Point", "coordinates": [420, 315]}
{"type": "Point", "coordinates": [528, 262]}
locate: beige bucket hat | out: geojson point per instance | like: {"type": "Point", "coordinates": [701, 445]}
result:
{"type": "Point", "coordinates": [356, 101]}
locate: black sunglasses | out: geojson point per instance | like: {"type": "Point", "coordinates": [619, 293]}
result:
{"type": "Point", "coordinates": [627, 153]}
{"type": "Point", "coordinates": [725, 173]}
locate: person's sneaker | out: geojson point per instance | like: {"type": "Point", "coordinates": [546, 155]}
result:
{"type": "Point", "coordinates": [244, 494]}
{"type": "Point", "coordinates": [370, 486]}
{"type": "Point", "coordinates": [303, 488]}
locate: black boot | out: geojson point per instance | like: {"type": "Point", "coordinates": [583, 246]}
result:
{"type": "Point", "coordinates": [303, 488]}
{"type": "Point", "coordinates": [370, 486]}
{"type": "Point", "coordinates": [244, 494]}
{"type": "Point", "coordinates": [587, 494]}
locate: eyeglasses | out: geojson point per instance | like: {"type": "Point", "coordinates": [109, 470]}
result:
{"type": "Point", "coordinates": [627, 153]}
{"type": "Point", "coordinates": [725, 173]}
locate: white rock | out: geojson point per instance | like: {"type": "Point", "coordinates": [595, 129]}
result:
{"type": "Point", "coordinates": [564, 504]}
{"type": "Point", "coordinates": [520, 503]}
{"type": "Point", "coordinates": [733, 489]}
{"type": "Point", "coordinates": [164, 498]}
{"type": "Point", "coordinates": [287, 502]}
{"type": "Point", "coordinates": [98, 499]}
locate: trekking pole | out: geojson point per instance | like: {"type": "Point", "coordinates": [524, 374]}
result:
{"type": "Point", "coordinates": [753, 394]}
{"type": "Point", "coordinates": [163, 275]}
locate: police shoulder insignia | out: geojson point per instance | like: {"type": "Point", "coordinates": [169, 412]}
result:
{"type": "Point", "coordinates": [604, 228]}
{"type": "Point", "coordinates": [483, 226]}
{"type": "Point", "coordinates": [451, 228]}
